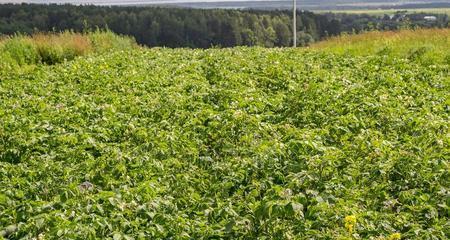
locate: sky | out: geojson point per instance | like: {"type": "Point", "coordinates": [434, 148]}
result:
{"type": "Point", "coordinates": [119, 2]}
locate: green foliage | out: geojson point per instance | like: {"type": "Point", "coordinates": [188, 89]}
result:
{"type": "Point", "coordinates": [21, 50]}
{"type": "Point", "coordinates": [104, 41]}
{"type": "Point", "coordinates": [428, 46]}
{"type": "Point", "coordinates": [199, 28]}
{"type": "Point", "coordinates": [54, 54]}
{"type": "Point", "coordinates": [56, 48]}
{"type": "Point", "coordinates": [242, 143]}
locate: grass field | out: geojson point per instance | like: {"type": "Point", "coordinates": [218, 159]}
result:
{"type": "Point", "coordinates": [430, 45]}
{"type": "Point", "coordinates": [381, 12]}
{"type": "Point", "coordinates": [329, 142]}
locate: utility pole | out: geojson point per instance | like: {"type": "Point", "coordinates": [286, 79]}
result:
{"type": "Point", "coordinates": [294, 23]}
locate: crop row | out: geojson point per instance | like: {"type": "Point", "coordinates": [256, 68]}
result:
{"type": "Point", "coordinates": [232, 143]}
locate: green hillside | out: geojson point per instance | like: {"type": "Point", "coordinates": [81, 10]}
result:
{"type": "Point", "coordinates": [240, 143]}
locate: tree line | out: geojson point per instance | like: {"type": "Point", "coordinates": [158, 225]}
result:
{"type": "Point", "coordinates": [196, 28]}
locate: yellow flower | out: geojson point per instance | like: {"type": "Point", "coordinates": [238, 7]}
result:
{"type": "Point", "coordinates": [350, 222]}
{"type": "Point", "coordinates": [395, 236]}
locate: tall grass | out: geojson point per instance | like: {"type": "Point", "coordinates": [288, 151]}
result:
{"type": "Point", "coordinates": [425, 45]}
{"type": "Point", "coordinates": [19, 50]}
{"type": "Point", "coordinates": [55, 48]}
{"type": "Point", "coordinates": [66, 46]}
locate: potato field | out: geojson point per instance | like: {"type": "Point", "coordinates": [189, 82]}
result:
{"type": "Point", "coordinates": [240, 143]}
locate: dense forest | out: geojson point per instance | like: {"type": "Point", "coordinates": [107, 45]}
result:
{"type": "Point", "coordinates": [180, 27]}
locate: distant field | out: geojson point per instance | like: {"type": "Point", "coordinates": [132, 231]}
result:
{"type": "Point", "coordinates": [388, 11]}
{"type": "Point", "coordinates": [432, 44]}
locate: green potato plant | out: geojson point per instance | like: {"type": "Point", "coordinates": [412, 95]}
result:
{"type": "Point", "coordinates": [241, 143]}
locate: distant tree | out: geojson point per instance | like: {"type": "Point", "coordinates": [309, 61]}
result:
{"type": "Point", "coordinates": [283, 34]}
{"type": "Point", "coordinates": [176, 27]}
{"type": "Point", "coordinates": [249, 38]}
{"type": "Point", "coordinates": [304, 38]}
